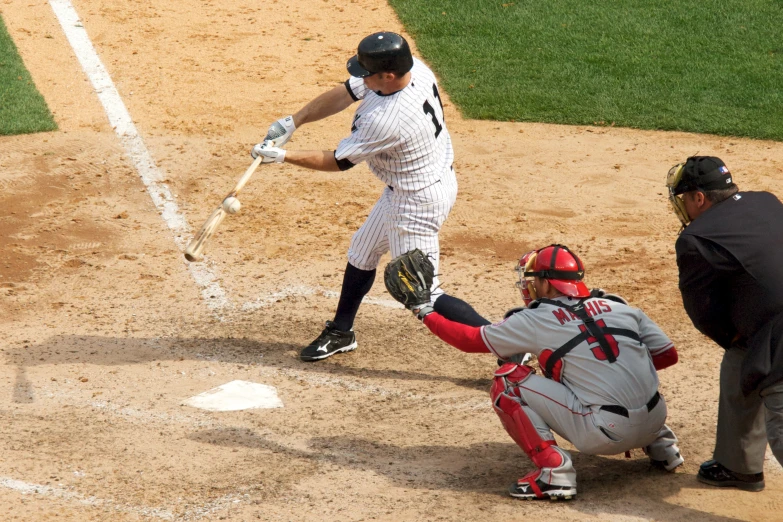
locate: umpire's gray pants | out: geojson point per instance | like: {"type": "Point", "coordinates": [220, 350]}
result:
{"type": "Point", "coordinates": [746, 424]}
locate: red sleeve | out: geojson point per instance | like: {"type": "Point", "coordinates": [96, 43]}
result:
{"type": "Point", "coordinates": [665, 359]}
{"type": "Point", "coordinates": [460, 336]}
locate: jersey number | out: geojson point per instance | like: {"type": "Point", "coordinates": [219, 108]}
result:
{"type": "Point", "coordinates": [598, 352]}
{"type": "Point", "coordinates": [428, 109]}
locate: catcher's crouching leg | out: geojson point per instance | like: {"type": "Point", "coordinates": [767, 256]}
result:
{"type": "Point", "coordinates": [555, 477]}
{"type": "Point", "coordinates": [663, 451]}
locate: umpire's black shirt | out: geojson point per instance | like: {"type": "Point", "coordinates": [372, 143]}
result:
{"type": "Point", "coordinates": [731, 278]}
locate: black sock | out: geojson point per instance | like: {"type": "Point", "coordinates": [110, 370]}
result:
{"type": "Point", "coordinates": [356, 284]}
{"type": "Point", "coordinates": [459, 311]}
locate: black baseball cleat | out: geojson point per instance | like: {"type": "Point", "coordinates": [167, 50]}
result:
{"type": "Point", "coordinates": [714, 473]}
{"type": "Point", "coordinates": [531, 487]}
{"type": "Point", "coordinates": [330, 342]}
{"type": "Point", "coordinates": [547, 491]}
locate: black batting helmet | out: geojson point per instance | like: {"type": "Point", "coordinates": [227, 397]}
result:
{"type": "Point", "coordinates": [381, 52]}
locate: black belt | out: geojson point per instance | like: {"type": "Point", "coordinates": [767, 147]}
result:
{"type": "Point", "coordinates": [620, 410]}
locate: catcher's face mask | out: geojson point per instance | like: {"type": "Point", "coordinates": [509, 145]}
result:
{"type": "Point", "coordinates": [524, 284]}
{"type": "Point", "coordinates": [673, 180]}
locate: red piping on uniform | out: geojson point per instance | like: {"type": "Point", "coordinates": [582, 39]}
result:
{"type": "Point", "coordinates": [551, 399]}
{"type": "Point", "coordinates": [665, 359]}
{"type": "Point", "coordinates": [489, 344]}
{"type": "Point", "coordinates": [460, 336]}
{"type": "Point", "coordinates": [661, 350]}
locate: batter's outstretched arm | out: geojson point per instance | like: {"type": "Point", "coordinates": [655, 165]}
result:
{"type": "Point", "coordinates": [329, 103]}
{"type": "Point", "coordinates": [322, 160]}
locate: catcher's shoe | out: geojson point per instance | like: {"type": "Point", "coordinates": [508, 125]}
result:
{"type": "Point", "coordinates": [330, 342]}
{"type": "Point", "coordinates": [547, 483]}
{"type": "Point", "coordinates": [714, 473]}
{"type": "Point", "coordinates": [670, 461]}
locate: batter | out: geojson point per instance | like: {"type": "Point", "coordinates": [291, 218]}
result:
{"type": "Point", "coordinates": [400, 132]}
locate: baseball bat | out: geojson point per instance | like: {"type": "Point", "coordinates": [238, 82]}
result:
{"type": "Point", "coordinates": [195, 250]}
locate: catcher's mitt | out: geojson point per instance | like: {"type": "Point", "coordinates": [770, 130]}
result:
{"type": "Point", "coordinates": [408, 278]}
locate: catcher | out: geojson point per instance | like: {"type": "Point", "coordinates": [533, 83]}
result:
{"type": "Point", "coordinates": [599, 357]}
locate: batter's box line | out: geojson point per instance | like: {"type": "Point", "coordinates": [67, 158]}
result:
{"type": "Point", "coordinates": [28, 488]}
{"type": "Point", "coordinates": [271, 299]}
{"type": "Point", "coordinates": [69, 495]}
{"type": "Point", "coordinates": [203, 274]}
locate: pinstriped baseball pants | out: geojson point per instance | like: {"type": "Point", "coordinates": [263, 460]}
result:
{"type": "Point", "coordinates": [402, 221]}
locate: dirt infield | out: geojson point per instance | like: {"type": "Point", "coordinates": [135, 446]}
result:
{"type": "Point", "coordinates": [105, 332]}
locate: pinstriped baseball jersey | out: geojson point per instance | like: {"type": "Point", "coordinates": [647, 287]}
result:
{"type": "Point", "coordinates": [402, 136]}
{"type": "Point", "coordinates": [629, 381]}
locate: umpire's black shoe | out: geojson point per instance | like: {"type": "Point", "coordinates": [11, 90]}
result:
{"type": "Point", "coordinates": [330, 342]}
{"type": "Point", "coordinates": [714, 473]}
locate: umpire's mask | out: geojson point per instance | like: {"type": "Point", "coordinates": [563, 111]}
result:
{"type": "Point", "coordinates": [703, 173]}
{"type": "Point", "coordinates": [675, 196]}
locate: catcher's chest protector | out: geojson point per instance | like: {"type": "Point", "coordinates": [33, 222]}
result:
{"type": "Point", "coordinates": [591, 331]}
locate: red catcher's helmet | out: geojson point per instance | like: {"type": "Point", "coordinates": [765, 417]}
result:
{"type": "Point", "coordinates": [561, 267]}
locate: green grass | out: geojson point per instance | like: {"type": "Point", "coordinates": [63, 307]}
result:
{"type": "Point", "coordinates": [22, 108]}
{"type": "Point", "coordinates": [712, 66]}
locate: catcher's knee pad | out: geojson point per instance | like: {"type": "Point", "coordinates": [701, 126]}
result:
{"type": "Point", "coordinates": [507, 377]}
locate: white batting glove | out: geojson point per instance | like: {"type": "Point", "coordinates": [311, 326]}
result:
{"type": "Point", "coordinates": [281, 131]}
{"type": "Point", "coordinates": [269, 154]}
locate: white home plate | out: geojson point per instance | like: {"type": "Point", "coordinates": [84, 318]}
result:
{"type": "Point", "coordinates": [236, 395]}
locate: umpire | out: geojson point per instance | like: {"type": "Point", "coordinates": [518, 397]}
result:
{"type": "Point", "coordinates": [730, 259]}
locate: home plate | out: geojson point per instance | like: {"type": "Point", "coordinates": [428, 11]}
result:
{"type": "Point", "coordinates": [236, 395]}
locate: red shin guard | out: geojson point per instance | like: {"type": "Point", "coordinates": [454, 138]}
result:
{"type": "Point", "coordinates": [516, 422]}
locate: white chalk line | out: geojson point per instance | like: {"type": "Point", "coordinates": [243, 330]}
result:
{"type": "Point", "coordinates": [204, 421]}
{"type": "Point", "coordinates": [204, 274]}
{"type": "Point", "coordinates": [119, 117]}
{"type": "Point", "coordinates": [27, 488]}
{"type": "Point", "coordinates": [195, 513]}
{"type": "Point", "coordinates": [312, 379]}
{"type": "Point", "coordinates": [340, 383]}
{"type": "Point", "coordinates": [270, 299]}
{"type": "Point", "coordinates": [144, 418]}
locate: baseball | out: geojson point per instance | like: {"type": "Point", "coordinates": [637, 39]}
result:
{"type": "Point", "coordinates": [231, 205]}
